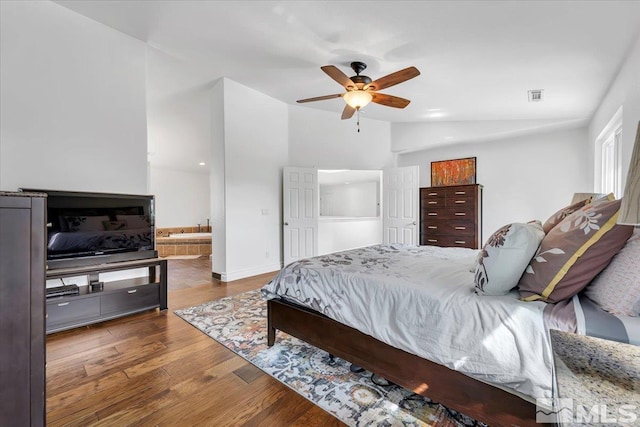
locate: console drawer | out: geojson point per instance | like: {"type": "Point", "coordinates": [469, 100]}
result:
{"type": "Point", "coordinates": [67, 310]}
{"type": "Point", "coordinates": [130, 299]}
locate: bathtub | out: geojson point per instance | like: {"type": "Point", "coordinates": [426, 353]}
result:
{"type": "Point", "coordinates": [184, 244]}
{"type": "Point", "coordinates": [190, 236]}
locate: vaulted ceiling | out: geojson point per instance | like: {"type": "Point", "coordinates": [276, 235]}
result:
{"type": "Point", "coordinates": [477, 58]}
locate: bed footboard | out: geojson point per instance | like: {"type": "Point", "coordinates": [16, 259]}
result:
{"type": "Point", "coordinates": [453, 389]}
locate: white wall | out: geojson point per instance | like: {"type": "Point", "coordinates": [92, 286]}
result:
{"type": "Point", "coordinates": [255, 149]}
{"type": "Point", "coordinates": [524, 178]}
{"type": "Point", "coordinates": [72, 103]}
{"type": "Point", "coordinates": [182, 198]}
{"type": "Point", "coordinates": [179, 121]}
{"type": "Point", "coordinates": [624, 92]}
{"type": "Point", "coordinates": [341, 234]}
{"type": "Point", "coordinates": [217, 181]}
{"type": "Point", "coordinates": [320, 139]}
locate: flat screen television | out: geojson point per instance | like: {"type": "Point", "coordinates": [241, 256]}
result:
{"type": "Point", "coordinates": [97, 228]}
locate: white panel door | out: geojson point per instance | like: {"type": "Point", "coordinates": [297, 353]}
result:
{"type": "Point", "coordinates": [401, 194]}
{"type": "Point", "coordinates": [300, 213]}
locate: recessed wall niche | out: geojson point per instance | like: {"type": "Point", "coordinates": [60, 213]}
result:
{"type": "Point", "coordinates": [350, 193]}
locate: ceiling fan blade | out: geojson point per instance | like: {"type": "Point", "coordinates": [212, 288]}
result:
{"type": "Point", "coordinates": [390, 100]}
{"type": "Point", "coordinates": [338, 76]}
{"type": "Point", "coordinates": [393, 79]}
{"type": "Point", "coordinates": [348, 111]}
{"type": "Point", "coordinates": [320, 98]}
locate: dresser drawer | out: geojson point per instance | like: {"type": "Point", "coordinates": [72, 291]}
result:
{"type": "Point", "coordinates": [67, 310]}
{"type": "Point", "coordinates": [449, 241]}
{"type": "Point", "coordinates": [130, 299]}
{"type": "Point", "coordinates": [432, 193]}
{"type": "Point", "coordinates": [433, 203]}
{"type": "Point", "coordinates": [460, 213]}
{"type": "Point", "coordinates": [439, 228]}
{"type": "Point", "coordinates": [462, 191]}
{"type": "Point", "coordinates": [460, 202]}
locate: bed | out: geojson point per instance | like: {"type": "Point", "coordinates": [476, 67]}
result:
{"type": "Point", "coordinates": [410, 315]}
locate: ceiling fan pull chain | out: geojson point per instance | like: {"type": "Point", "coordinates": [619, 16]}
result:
{"type": "Point", "coordinates": [358, 118]}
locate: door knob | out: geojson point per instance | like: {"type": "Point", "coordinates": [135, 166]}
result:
{"type": "Point", "coordinates": [286, 223]}
{"type": "Point", "coordinates": [414, 223]}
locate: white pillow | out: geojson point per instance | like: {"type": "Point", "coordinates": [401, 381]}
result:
{"type": "Point", "coordinates": [505, 256]}
{"type": "Point", "coordinates": [617, 288]}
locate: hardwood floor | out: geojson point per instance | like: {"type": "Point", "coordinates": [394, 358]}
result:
{"type": "Point", "coordinates": [154, 368]}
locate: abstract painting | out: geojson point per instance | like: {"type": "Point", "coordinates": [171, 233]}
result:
{"type": "Point", "coordinates": [453, 172]}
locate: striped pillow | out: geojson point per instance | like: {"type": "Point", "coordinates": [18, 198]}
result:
{"type": "Point", "coordinates": [574, 252]}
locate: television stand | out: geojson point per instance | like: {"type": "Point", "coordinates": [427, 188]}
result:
{"type": "Point", "coordinates": [113, 299]}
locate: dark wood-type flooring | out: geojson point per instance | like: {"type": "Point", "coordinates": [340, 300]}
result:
{"type": "Point", "coordinates": [154, 368]}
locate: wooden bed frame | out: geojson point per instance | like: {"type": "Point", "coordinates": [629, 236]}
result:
{"type": "Point", "coordinates": [453, 389]}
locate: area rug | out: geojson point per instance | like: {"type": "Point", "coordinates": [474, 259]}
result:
{"type": "Point", "coordinates": [239, 323]}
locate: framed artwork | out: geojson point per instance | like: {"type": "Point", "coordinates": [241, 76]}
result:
{"type": "Point", "coordinates": [453, 172]}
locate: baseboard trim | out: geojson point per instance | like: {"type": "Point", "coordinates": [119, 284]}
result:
{"type": "Point", "coordinates": [229, 276]}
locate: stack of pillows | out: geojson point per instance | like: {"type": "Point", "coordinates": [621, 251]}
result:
{"type": "Point", "coordinates": [554, 261]}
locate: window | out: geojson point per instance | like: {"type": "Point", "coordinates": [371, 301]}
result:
{"type": "Point", "coordinates": [610, 169]}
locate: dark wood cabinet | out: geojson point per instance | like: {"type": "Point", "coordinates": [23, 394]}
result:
{"type": "Point", "coordinates": [116, 298]}
{"type": "Point", "coordinates": [22, 313]}
{"type": "Point", "coordinates": [451, 216]}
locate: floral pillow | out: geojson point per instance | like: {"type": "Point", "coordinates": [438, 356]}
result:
{"type": "Point", "coordinates": [85, 223]}
{"type": "Point", "coordinates": [574, 252]}
{"type": "Point", "coordinates": [134, 221]}
{"type": "Point", "coordinates": [505, 256]}
{"type": "Point", "coordinates": [557, 217]}
{"type": "Point", "coordinates": [617, 288]}
{"type": "Point", "coordinates": [114, 225]}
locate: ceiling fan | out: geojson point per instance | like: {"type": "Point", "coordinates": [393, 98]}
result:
{"type": "Point", "coordinates": [361, 89]}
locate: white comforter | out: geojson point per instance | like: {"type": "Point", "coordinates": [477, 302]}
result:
{"type": "Point", "coordinates": [421, 300]}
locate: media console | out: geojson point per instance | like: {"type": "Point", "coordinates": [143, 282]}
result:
{"type": "Point", "coordinates": [111, 299]}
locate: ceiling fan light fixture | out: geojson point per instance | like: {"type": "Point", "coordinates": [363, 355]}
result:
{"type": "Point", "coordinates": [357, 98]}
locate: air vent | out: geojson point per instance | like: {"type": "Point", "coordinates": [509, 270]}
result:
{"type": "Point", "coordinates": [535, 95]}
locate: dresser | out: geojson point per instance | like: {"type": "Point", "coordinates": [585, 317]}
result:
{"type": "Point", "coordinates": [451, 216]}
{"type": "Point", "coordinates": [22, 284]}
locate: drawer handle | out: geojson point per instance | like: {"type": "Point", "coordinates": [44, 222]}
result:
{"type": "Point", "coordinates": [460, 242]}
{"type": "Point", "coordinates": [460, 228]}
{"type": "Point", "coordinates": [432, 240]}
{"type": "Point", "coordinates": [62, 304]}
{"type": "Point", "coordinates": [460, 201]}
{"type": "Point", "coordinates": [432, 214]}
{"type": "Point", "coordinates": [461, 192]}
{"type": "Point", "coordinates": [460, 213]}
{"type": "Point", "coordinates": [433, 194]}
{"type": "Point", "coordinates": [432, 227]}
{"type": "Point", "coordinates": [132, 291]}
{"type": "Point", "coordinates": [432, 203]}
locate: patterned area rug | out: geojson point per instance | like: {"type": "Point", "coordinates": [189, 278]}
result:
{"type": "Point", "coordinates": [239, 323]}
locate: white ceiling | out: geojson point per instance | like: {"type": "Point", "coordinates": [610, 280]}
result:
{"type": "Point", "coordinates": [477, 58]}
